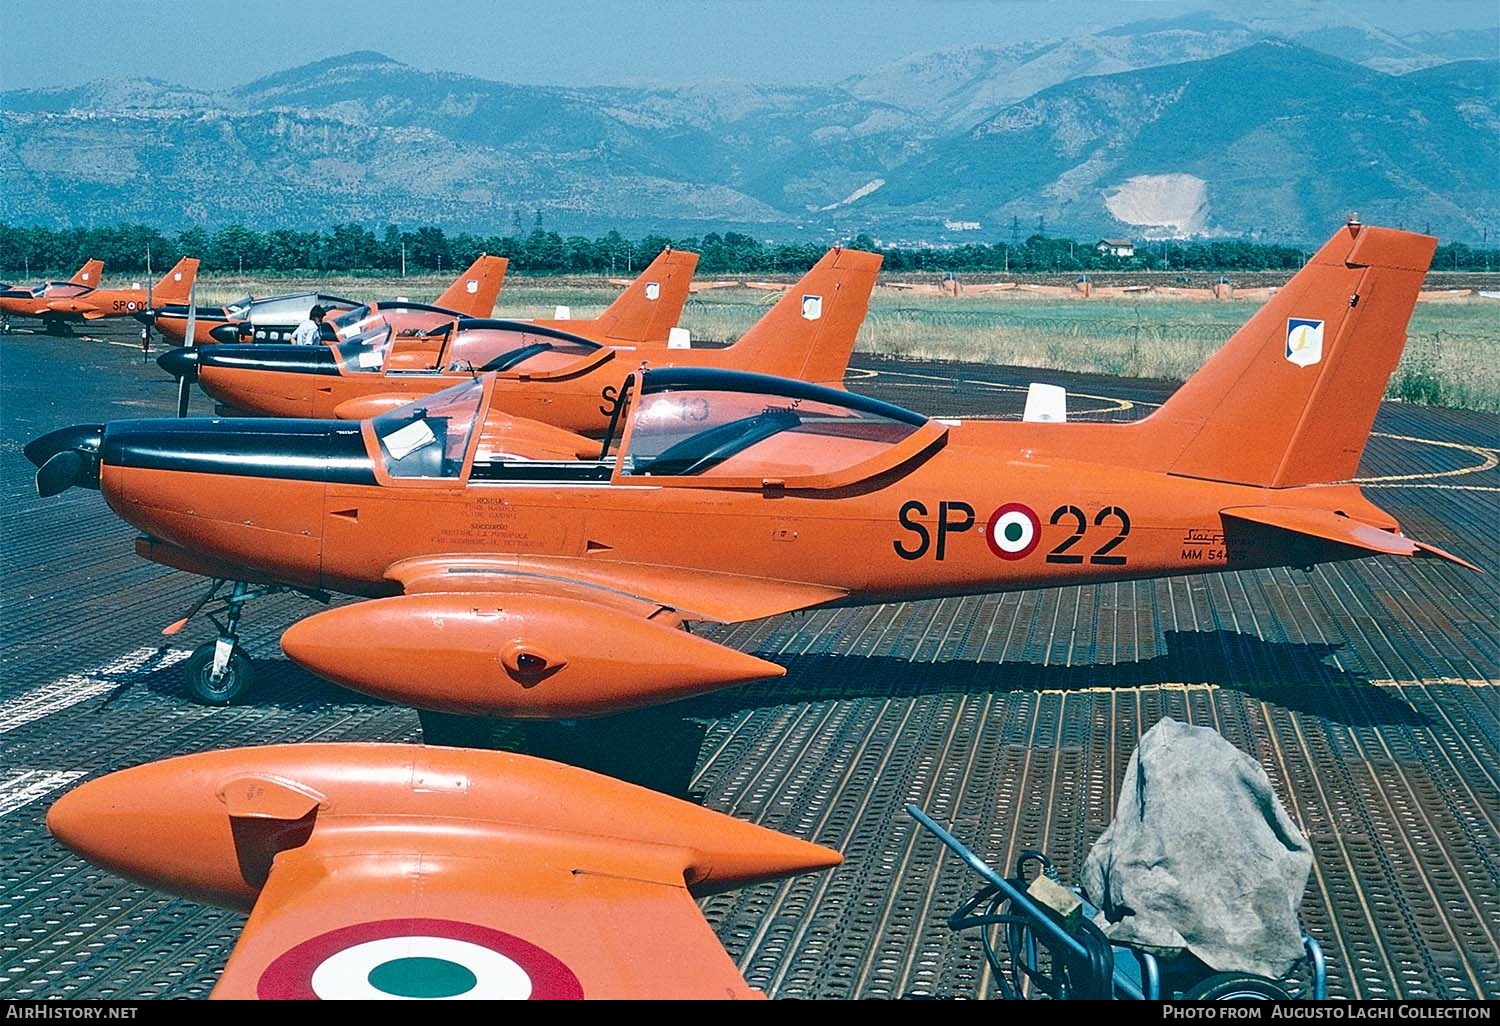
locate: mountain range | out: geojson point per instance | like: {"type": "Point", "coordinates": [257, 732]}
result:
{"type": "Point", "coordinates": [1191, 128]}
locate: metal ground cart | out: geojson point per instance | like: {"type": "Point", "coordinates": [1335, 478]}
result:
{"type": "Point", "coordinates": [1036, 956]}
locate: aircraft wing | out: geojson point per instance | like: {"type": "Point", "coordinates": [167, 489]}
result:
{"type": "Point", "coordinates": [541, 918]}
{"type": "Point", "coordinates": [423, 871]}
{"type": "Point", "coordinates": [543, 638]}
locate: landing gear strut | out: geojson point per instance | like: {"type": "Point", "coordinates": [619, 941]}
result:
{"type": "Point", "coordinates": [219, 672]}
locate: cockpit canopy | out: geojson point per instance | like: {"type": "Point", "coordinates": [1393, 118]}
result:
{"type": "Point", "coordinates": [430, 437]}
{"type": "Point", "coordinates": [405, 318]}
{"type": "Point", "coordinates": [385, 342]}
{"type": "Point", "coordinates": [676, 427]}
{"type": "Point", "coordinates": [755, 429]}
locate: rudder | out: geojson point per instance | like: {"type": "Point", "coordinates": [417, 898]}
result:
{"type": "Point", "coordinates": [810, 333]}
{"type": "Point", "coordinates": [1290, 398]}
{"type": "Point", "coordinates": [474, 292]}
{"type": "Point", "coordinates": [177, 284]}
{"type": "Point", "coordinates": [651, 306]}
{"type": "Point", "coordinates": [89, 274]}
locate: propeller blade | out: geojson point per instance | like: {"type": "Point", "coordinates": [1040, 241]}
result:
{"type": "Point", "coordinates": [192, 327]}
{"type": "Point", "coordinates": [150, 304]}
{"type": "Point", "coordinates": [59, 473]}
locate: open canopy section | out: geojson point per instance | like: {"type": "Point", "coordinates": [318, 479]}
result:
{"type": "Point", "coordinates": [513, 348]}
{"type": "Point", "coordinates": [735, 429]}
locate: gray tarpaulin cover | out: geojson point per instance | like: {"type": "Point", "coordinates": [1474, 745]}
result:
{"type": "Point", "coordinates": [1201, 855]}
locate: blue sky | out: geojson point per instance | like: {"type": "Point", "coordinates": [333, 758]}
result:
{"type": "Point", "coordinates": [213, 44]}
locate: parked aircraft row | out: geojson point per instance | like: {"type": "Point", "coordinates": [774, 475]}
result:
{"type": "Point", "coordinates": [531, 519]}
{"type": "Point", "coordinates": [61, 304]}
{"type": "Point", "coordinates": [662, 288]}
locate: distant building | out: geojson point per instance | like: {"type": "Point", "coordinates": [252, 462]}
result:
{"type": "Point", "coordinates": [961, 226]}
{"type": "Point", "coordinates": [1116, 247]}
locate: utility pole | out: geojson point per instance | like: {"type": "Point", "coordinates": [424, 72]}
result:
{"type": "Point", "coordinates": [403, 258]}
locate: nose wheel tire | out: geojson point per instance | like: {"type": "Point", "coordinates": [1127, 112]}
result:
{"type": "Point", "coordinates": [229, 687]}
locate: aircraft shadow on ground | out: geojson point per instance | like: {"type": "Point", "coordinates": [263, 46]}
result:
{"type": "Point", "coordinates": [659, 747]}
{"type": "Point", "coordinates": [1293, 675]}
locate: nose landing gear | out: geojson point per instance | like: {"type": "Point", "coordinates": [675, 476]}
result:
{"type": "Point", "coordinates": [219, 672]}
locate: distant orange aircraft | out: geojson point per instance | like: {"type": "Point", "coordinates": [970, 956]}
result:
{"type": "Point", "coordinates": [646, 312]}
{"type": "Point", "coordinates": [31, 300]}
{"type": "Point", "coordinates": [505, 585]}
{"type": "Point", "coordinates": [97, 304]}
{"type": "Point", "coordinates": [274, 318]}
{"type": "Point", "coordinates": [950, 285]}
{"type": "Point", "coordinates": [543, 373]}
{"type": "Point", "coordinates": [409, 871]}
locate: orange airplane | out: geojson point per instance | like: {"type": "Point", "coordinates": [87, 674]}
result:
{"type": "Point", "coordinates": [274, 318]}
{"type": "Point", "coordinates": [504, 585]}
{"type": "Point", "coordinates": [95, 304]}
{"type": "Point", "coordinates": [646, 312]}
{"type": "Point", "coordinates": [543, 373]}
{"type": "Point", "coordinates": [950, 285]}
{"type": "Point", "coordinates": [406, 871]}
{"type": "Point", "coordinates": [31, 301]}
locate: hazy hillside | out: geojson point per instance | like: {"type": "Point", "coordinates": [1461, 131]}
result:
{"type": "Point", "coordinates": [1187, 127]}
{"type": "Point", "coordinates": [1273, 140]}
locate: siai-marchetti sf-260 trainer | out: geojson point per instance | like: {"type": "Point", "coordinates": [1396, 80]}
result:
{"type": "Point", "coordinates": [500, 584]}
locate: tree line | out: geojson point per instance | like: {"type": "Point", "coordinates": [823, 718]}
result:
{"type": "Point", "coordinates": [34, 251]}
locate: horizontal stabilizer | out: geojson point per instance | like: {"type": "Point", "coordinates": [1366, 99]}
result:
{"type": "Point", "coordinates": [1330, 526]}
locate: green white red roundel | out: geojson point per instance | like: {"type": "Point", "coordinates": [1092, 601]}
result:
{"type": "Point", "coordinates": [1013, 531]}
{"type": "Point", "coordinates": [417, 959]}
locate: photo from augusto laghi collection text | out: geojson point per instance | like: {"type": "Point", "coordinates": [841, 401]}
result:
{"type": "Point", "coordinates": [1334, 1010]}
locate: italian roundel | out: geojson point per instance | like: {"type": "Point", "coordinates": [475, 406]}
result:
{"type": "Point", "coordinates": [417, 959]}
{"type": "Point", "coordinates": [1013, 531]}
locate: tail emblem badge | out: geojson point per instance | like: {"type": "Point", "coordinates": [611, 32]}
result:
{"type": "Point", "coordinates": [1304, 341]}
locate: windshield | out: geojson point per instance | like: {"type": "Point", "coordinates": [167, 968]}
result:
{"type": "Point", "coordinates": [353, 322]}
{"type": "Point", "coordinates": [364, 353]}
{"type": "Point", "coordinates": [404, 319]}
{"type": "Point", "coordinates": [514, 348]}
{"type": "Point", "coordinates": [731, 433]}
{"type": "Point", "coordinates": [430, 437]}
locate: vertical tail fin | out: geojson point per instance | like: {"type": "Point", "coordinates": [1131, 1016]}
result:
{"type": "Point", "coordinates": [474, 292]}
{"type": "Point", "coordinates": [651, 306]}
{"type": "Point", "coordinates": [89, 274]}
{"type": "Point", "coordinates": [1290, 398]}
{"type": "Point", "coordinates": [809, 334]}
{"type": "Point", "coordinates": [176, 284]}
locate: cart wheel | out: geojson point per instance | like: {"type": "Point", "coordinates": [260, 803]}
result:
{"type": "Point", "coordinates": [229, 688]}
{"type": "Point", "coordinates": [1236, 987]}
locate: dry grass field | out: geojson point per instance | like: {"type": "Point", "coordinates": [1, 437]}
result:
{"type": "Point", "coordinates": [1452, 356]}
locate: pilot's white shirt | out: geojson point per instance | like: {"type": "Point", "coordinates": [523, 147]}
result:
{"type": "Point", "coordinates": [307, 333]}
